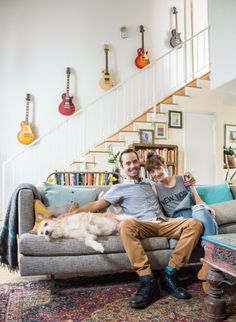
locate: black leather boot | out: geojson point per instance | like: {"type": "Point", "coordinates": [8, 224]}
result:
{"type": "Point", "coordinates": [147, 293]}
{"type": "Point", "coordinates": [170, 283]}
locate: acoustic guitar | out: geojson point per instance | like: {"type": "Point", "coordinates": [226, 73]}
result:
{"type": "Point", "coordinates": [26, 134]}
{"type": "Point", "coordinates": [106, 82]}
{"type": "Point", "coordinates": [67, 107]}
{"type": "Point", "coordinates": [175, 40]}
{"type": "Point", "coordinates": [142, 58]}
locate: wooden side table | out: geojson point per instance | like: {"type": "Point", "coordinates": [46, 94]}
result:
{"type": "Point", "coordinates": [220, 255]}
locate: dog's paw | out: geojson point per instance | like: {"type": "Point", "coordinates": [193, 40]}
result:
{"type": "Point", "coordinates": [99, 248]}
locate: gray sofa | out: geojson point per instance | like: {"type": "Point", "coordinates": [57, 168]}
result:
{"type": "Point", "coordinates": [70, 256]}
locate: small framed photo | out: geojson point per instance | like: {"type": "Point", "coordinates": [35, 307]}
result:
{"type": "Point", "coordinates": [175, 119]}
{"type": "Point", "coordinates": [230, 135]}
{"type": "Point", "coordinates": [146, 136]}
{"type": "Point", "coordinates": [160, 131]}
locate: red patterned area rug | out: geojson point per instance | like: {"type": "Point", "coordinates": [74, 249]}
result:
{"type": "Point", "coordinates": [103, 299]}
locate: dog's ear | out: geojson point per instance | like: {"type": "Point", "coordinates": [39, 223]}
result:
{"type": "Point", "coordinates": [41, 217]}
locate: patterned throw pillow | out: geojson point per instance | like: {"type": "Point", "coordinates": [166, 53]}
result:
{"type": "Point", "coordinates": [47, 212]}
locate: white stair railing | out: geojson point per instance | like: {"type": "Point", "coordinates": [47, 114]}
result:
{"type": "Point", "coordinates": [92, 124]}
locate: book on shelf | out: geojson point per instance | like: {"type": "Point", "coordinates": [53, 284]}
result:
{"type": "Point", "coordinates": [83, 178]}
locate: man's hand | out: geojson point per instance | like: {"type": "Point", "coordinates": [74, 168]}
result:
{"type": "Point", "coordinates": [189, 180]}
{"type": "Point", "coordinates": [211, 210]}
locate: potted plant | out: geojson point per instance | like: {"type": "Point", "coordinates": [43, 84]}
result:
{"type": "Point", "coordinates": [113, 158]}
{"type": "Point", "coordinates": [230, 155]}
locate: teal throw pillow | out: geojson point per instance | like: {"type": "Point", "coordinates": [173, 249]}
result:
{"type": "Point", "coordinates": [58, 195]}
{"type": "Point", "coordinates": [215, 193]}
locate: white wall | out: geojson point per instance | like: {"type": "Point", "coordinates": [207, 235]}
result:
{"type": "Point", "coordinates": [39, 39]}
{"type": "Point", "coordinates": [223, 44]}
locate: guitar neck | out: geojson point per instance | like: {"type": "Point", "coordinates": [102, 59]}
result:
{"type": "Point", "coordinates": [176, 22]}
{"type": "Point", "coordinates": [106, 63]}
{"type": "Point", "coordinates": [27, 109]}
{"type": "Point", "coordinates": [68, 85]}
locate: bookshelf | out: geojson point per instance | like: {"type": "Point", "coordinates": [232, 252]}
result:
{"type": "Point", "coordinates": [167, 151]}
{"type": "Point", "coordinates": [85, 178]}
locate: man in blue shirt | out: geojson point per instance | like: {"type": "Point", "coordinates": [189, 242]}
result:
{"type": "Point", "coordinates": [137, 198]}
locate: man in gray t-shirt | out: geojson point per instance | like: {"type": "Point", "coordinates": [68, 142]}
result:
{"type": "Point", "coordinates": [137, 198]}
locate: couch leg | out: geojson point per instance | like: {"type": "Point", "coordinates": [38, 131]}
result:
{"type": "Point", "coordinates": [52, 284]}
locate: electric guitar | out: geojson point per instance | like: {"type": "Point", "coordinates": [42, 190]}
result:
{"type": "Point", "coordinates": [67, 107]}
{"type": "Point", "coordinates": [106, 82]}
{"type": "Point", "coordinates": [26, 135]}
{"type": "Point", "coordinates": [175, 40]}
{"type": "Point", "coordinates": [142, 58]}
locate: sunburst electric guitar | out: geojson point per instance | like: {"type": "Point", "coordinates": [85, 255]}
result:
{"type": "Point", "coordinates": [26, 134]}
{"type": "Point", "coordinates": [106, 82]}
{"type": "Point", "coordinates": [175, 40]}
{"type": "Point", "coordinates": [67, 107]}
{"type": "Point", "coordinates": [142, 59]}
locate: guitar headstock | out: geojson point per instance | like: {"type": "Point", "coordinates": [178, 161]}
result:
{"type": "Point", "coordinates": [106, 48]}
{"type": "Point", "coordinates": [174, 10]}
{"type": "Point", "coordinates": [141, 29]}
{"type": "Point", "coordinates": [68, 71]}
{"type": "Point", "coordinates": [27, 97]}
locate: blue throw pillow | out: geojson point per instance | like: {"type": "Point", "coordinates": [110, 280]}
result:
{"type": "Point", "coordinates": [215, 193]}
{"type": "Point", "coordinates": [58, 195]}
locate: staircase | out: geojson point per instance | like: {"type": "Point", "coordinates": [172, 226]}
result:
{"type": "Point", "coordinates": [96, 159]}
{"type": "Point", "coordinates": [116, 116]}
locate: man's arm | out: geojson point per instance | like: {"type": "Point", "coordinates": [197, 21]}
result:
{"type": "Point", "coordinates": [189, 180]}
{"type": "Point", "coordinates": [94, 206]}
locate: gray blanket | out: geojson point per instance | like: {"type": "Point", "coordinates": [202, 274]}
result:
{"type": "Point", "coordinates": [9, 231]}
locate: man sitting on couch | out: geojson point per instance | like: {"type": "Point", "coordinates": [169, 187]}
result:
{"type": "Point", "coordinates": [137, 198]}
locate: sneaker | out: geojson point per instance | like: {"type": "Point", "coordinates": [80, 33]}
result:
{"type": "Point", "coordinates": [147, 293]}
{"type": "Point", "coordinates": [170, 283]}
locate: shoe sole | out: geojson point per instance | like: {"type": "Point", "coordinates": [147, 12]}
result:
{"type": "Point", "coordinates": [143, 306]}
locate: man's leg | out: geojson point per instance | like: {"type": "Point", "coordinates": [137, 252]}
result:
{"type": "Point", "coordinates": [132, 232]}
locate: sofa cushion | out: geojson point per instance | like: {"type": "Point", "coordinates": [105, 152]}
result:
{"type": "Point", "coordinates": [225, 212]}
{"type": "Point", "coordinates": [58, 195]}
{"type": "Point", "coordinates": [39, 246]}
{"type": "Point", "coordinates": [215, 193]}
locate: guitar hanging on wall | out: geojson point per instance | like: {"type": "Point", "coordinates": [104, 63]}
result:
{"type": "Point", "coordinates": [106, 82]}
{"type": "Point", "coordinates": [175, 40]}
{"type": "Point", "coordinates": [26, 134]}
{"type": "Point", "coordinates": [67, 107]}
{"type": "Point", "coordinates": [142, 58]}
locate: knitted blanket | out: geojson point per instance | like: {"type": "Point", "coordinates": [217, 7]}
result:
{"type": "Point", "coordinates": [9, 231]}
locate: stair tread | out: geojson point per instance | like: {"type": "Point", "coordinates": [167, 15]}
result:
{"type": "Point", "coordinates": [89, 162]}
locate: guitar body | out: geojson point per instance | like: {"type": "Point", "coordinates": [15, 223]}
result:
{"type": "Point", "coordinates": [26, 135]}
{"type": "Point", "coordinates": [175, 40]}
{"type": "Point", "coordinates": [106, 82]}
{"type": "Point", "coordinates": [66, 107]}
{"type": "Point", "coordinates": [142, 59]}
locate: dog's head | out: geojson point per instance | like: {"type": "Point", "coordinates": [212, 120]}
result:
{"type": "Point", "coordinates": [50, 229]}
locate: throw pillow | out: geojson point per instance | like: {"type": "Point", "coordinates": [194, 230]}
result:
{"type": "Point", "coordinates": [58, 195]}
{"type": "Point", "coordinates": [215, 193]}
{"type": "Point", "coordinates": [47, 212]}
{"type": "Point", "coordinates": [225, 212]}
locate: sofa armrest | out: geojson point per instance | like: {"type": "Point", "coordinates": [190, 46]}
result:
{"type": "Point", "coordinates": [233, 191]}
{"type": "Point", "coordinates": [25, 211]}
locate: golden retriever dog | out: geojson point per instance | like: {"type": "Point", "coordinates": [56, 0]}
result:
{"type": "Point", "coordinates": [84, 226]}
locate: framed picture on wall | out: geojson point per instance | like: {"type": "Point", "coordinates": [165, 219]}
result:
{"type": "Point", "coordinates": [175, 119]}
{"type": "Point", "coordinates": [230, 135]}
{"type": "Point", "coordinates": [146, 136]}
{"type": "Point", "coordinates": [160, 131]}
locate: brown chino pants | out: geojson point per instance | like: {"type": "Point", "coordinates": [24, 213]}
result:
{"type": "Point", "coordinates": [132, 231]}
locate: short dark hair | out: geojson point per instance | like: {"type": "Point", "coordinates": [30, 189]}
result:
{"type": "Point", "coordinates": [154, 161]}
{"type": "Point", "coordinates": [129, 150]}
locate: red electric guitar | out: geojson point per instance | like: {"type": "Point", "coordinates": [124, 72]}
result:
{"type": "Point", "coordinates": [142, 58]}
{"type": "Point", "coordinates": [67, 107]}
